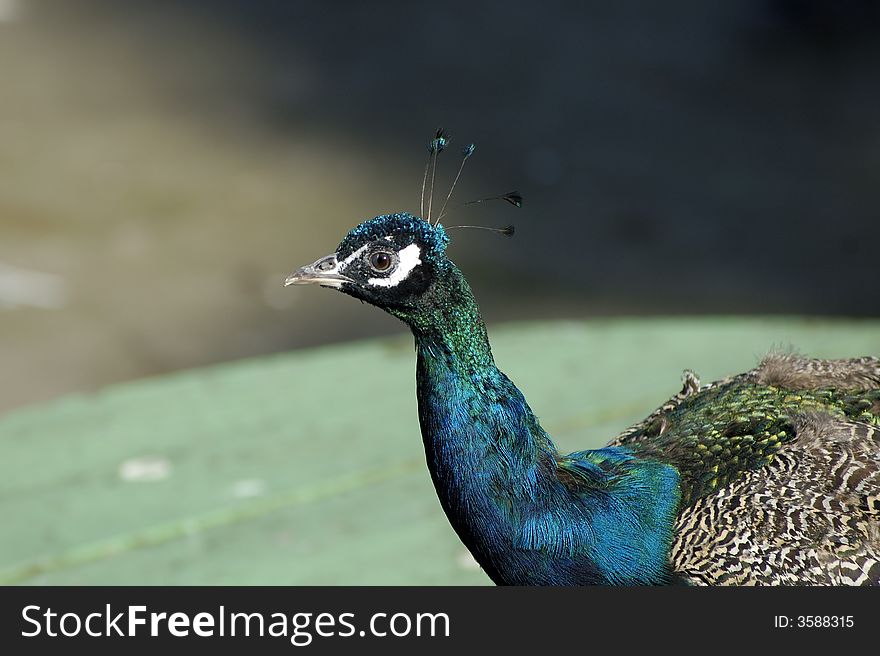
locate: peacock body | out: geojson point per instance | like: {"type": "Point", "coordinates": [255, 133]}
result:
{"type": "Point", "coordinates": [780, 473]}
{"type": "Point", "coordinates": [769, 477]}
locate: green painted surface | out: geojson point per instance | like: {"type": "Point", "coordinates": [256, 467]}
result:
{"type": "Point", "coordinates": [307, 467]}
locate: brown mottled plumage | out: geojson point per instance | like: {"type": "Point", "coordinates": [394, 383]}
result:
{"type": "Point", "coordinates": [780, 473]}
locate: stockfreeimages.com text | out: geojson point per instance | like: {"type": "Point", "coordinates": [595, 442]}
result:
{"type": "Point", "coordinates": [301, 628]}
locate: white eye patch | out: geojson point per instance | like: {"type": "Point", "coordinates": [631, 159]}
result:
{"type": "Point", "coordinates": [409, 259]}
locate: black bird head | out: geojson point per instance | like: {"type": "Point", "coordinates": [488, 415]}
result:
{"type": "Point", "coordinates": [392, 261]}
{"type": "Point", "coordinates": [398, 262]}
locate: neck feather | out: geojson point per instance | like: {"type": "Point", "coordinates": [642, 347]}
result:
{"type": "Point", "coordinates": [485, 448]}
{"type": "Point", "coordinates": [447, 323]}
{"type": "Point", "coordinates": [495, 469]}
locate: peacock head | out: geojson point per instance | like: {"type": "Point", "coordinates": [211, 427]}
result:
{"type": "Point", "coordinates": [398, 262]}
{"type": "Point", "coordinates": [391, 261]}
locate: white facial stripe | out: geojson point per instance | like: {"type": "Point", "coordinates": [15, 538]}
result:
{"type": "Point", "coordinates": [335, 284]}
{"type": "Point", "coordinates": [409, 260]}
{"type": "Point", "coordinates": [351, 258]}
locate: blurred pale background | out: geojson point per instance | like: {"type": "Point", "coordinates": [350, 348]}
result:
{"type": "Point", "coordinates": [163, 164]}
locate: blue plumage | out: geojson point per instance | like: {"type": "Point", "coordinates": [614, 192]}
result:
{"type": "Point", "coordinates": [606, 519]}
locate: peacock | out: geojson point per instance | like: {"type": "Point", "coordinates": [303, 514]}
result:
{"type": "Point", "coordinates": [769, 477]}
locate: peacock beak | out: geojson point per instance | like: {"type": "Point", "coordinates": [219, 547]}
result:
{"type": "Point", "coordinates": [324, 271]}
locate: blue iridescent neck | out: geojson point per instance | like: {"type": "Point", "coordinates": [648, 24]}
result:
{"type": "Point", "coordinates": [484, 447]}
{"type": "Point", "coordinates": [526, 513]}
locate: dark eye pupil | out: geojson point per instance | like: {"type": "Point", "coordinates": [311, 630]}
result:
{"type": "Point", "coordinates": [380, 261]}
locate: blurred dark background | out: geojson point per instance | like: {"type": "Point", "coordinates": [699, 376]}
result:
{"type": "Point", "coordinates": [163, 164]}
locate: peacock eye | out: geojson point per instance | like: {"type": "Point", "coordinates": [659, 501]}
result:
{"type": "Point", "coordinates": [380, 260]}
